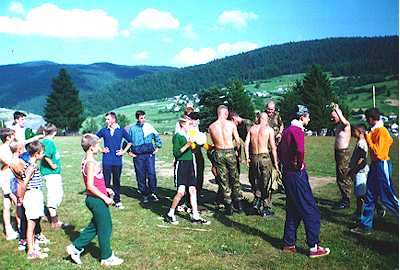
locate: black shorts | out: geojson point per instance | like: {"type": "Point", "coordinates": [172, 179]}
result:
{"type": "Point", "coordinates": [185, 175]}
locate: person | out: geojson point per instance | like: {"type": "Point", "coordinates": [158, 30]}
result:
{"type": "Point", "coordinates": [359, 168]}
{"type": "Point", "coordinates": [243, 126]}
{"type": "Point", "coordinates": [145, 144]}
{"type": "Point", "coordinates": [189, 108]}
{"type": "Point", "coordinates": [300, 202]}
{"type": "Point", "coordinates": [113, 135]}
{"type": "Point", "coordinates": [32, 198]}
{"type": "Point", "coordinates": [276, 123]}
{"type": "Point", "coordinates": [222, 132]}
{"type": "Point", "coordinates": [50, 168]}
{"type": "Point", "coordinates": [97, 201]}
{"type": "Point", "coordinates": [261, 137]}
{"type": "Point", "coordinates": [22, 133]}
{"type": "Point", "coordinates": [185, 173]}
{"type": "Point", "coordinates": [379, 181]}
{"type": "Point", "coordinates": [7, 181]}
{"type": "Point", "coordinates": [342, 156]}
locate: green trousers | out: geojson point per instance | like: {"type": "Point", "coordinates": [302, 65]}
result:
{"type": "Point", "coordinates": [225, 161]}
{"type": "Point", "coordinates": [100, 225]}
{"type": "Point", "coordinates": [343, 179]}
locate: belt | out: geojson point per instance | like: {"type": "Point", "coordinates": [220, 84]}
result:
{"type": "Point", "coordinates": [225, 150]}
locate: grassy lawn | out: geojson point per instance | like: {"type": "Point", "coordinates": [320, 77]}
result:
{"type": "Point", "coordinates": [238, 242]}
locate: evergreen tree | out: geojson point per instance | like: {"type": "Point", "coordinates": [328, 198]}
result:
{"type": "Point", "coordinates": [239, 101]}
{"type": "Point", "coordinates": [290, 99]}
{"type": "Point", "coordinates": [123, 120]}
{"type": "Point", "coordinates": [209, 101]}
{"type": "Point", "coordinates": [63, 107]}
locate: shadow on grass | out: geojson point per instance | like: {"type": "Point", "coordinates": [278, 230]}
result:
{"type": "Point", "coordinates": [382, 247]}
{"type": "Point", "coordinates": [91, 248]}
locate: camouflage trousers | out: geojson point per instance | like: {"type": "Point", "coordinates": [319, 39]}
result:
{"type": "Point", "coordinates": [225, 161]}
{"type": "Point", "coordinates": [343, 179]}
{"type": "Point", "coordinates": [261, 168]}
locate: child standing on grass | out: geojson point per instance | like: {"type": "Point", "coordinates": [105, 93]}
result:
{"type": "Point", "coordinates": [50, 167]}
{"type": "Point", "coordinates": [32, 198]}
{"type": "Point", "coordinates": [98, 202]}
{"type": "Point", "coordinates": [359, 168]}
{"type": "Point", "coordinates": [185, 173]}
{"type": "Point", "coordinates": [7, 180]}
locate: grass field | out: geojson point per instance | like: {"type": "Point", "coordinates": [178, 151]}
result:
{"type": "Point", "coordinates": [239, 242]}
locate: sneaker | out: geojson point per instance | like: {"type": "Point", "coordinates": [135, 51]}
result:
{"type": "Point", "coordinates": [289, 249]}
{"type": "Point", "coordinates": [181, 208]}
{"type": "Point", "coordinates": [201, 221]}
{"type": "Point", "coordinates": [12, 235]}
{"type": "Point", "coordinates": [112, 261]}
{"type": "Point", "coordinates": [341, 205]}
{"type": "Point", "coordinates": [172, 220]}
{"type": "Point", "coordinates": [22, 244]}
{"type": "Point", "coordinates": [154, 198]}
{"type": "Point", "coordinates": [36, 255]}
{"type": "Point", "coordinates": [119, 206]}
{"type": "Point", "coordinates": [41, 239]}
{"type": "Point", "coordinates": [361, 231]}
{"type": "Point", "coordinates": [319, 252]}
{"type": "Point", "coordinates": [381, 211]}
{"type": "Point", "coordinates": [145, 199]}
{"type": "Point", "coordinates": [266, 213]}
{"type": "Point", "coordinates": [74, 253]}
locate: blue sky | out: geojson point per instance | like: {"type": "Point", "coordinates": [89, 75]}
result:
{"type": "Point", "coordinates": [177, 32]}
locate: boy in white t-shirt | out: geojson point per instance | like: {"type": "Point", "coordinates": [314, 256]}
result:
{"type": "Point", "coordinates": [359, 168]}
{"type": "Point", "coordinates": [7, 181]}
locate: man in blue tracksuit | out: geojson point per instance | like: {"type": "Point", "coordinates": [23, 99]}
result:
{"type": "Point", "coordinates": [113, 135]}
{"type": "Point", "coordinates": [145, 144]}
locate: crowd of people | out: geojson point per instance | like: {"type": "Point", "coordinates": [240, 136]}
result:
{"type": "Point", "coordinates": [273, 154]}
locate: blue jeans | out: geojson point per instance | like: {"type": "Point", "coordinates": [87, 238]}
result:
{"type": "Point", "coordinates": [115, 172]}
{"type": "Point", "coordinates": [300, 206]}
{"type": "Point", "coordinates": [145, 169]}
{"type": "Point", "coordinates": [379, 185]}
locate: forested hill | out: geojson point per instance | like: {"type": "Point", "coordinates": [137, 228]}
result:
{"type": "Point", "coordinates": [32, 80]}
{"type": "Point", "coordinates": [341, 56]}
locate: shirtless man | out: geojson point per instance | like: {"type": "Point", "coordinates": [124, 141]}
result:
{"type": "Point", "coordinates": [222, 133]}
{"type": "Point", "coordinates": [261, 138]}
{"type": "Point", "coordinates": [342, 156]}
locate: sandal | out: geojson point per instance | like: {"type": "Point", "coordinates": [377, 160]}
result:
{"type": "Point", "coordinates": [36, 255]}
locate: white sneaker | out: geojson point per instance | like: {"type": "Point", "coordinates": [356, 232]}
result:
{"type": "Point", "coordinates": [112, 261]}
{"type": "Point", "coordinates": [74, 253]}
{"type": "Point", "coordinates": [119, 206]}
{"type": "Point", "coordinates": [12, 235]}
{"type": "Point", "coordinates": [42, 239]}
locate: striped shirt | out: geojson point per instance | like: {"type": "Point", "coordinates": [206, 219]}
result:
{"type": "Point", "coordinates": [36, 180]}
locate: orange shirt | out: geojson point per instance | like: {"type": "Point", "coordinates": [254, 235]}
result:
{"type": "Point", "coordinates": [379, 142]}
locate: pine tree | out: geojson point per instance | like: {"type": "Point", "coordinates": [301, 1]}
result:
{"type": "Point", "coordinates": [290, 99]}
{"type": "Point", "coordinates": [63, 106]}
{"type": "Point", "coordinates": [239, 101]}
{"type": "Point", "coordinates": [209, 101]}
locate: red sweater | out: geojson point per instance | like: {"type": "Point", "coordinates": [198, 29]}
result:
{"type": "Point", "coordinates": [291, 149]}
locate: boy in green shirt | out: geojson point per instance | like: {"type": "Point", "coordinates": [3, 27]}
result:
{"type": "Point", "coordinates": [50, 168]}
{"type": "Point", "coordinates": [185, 173]}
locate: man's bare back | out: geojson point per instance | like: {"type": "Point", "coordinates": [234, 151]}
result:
{"type": "Point", "coordinates": [342, 136]}
{"type": "Point", "coordinates": [259, 138]}
{"type": "Point", "coordinates": [222, 133]}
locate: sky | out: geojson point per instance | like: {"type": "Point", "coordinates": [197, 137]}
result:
{"type": "Point", "coordinates": [177, 32]}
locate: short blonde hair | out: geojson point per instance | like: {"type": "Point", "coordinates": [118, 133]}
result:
{"type": "Point", "coordinates": [15, 145]}
{"type": "Point", "coordinates": [88, 140]}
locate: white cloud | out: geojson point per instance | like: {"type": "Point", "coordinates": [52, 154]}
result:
{"type": "Point", "coordinates": [155, 19]}
{"type": "Point", "coordinates": [16, 7]}
{"type": "Point", "coordinates": [187, 32]}
{"type": "Point", "coordinates": [189, 56]}
{"type": "Point", "coordinates": [224, 49]}
{"type": "Point", "coordinates": [143, 55]}
{"type": "Point", "coordinates": [50, 20]}
{"type": "Point", "coordinates": [167, 40]}
{"type": "Point", "coordinates": [125, 33]}
{"type": "Point", "coordinates": [236, 18]}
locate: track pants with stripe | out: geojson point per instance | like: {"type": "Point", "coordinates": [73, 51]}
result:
{"type": "Point", "coordinates": [379, 186]}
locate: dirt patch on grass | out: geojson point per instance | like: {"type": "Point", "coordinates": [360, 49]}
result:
{"type": "Point", "coordinates": [392, 102]}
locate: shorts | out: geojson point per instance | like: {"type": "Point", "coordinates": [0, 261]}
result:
{"type": "Point", "coordinates": [360, 184]}
{"type": "Point", "coordinates": [33, 204]}
{"type": "Point", "coordinates": [55, 191]}
{"type": "Point", "coordinates": [8, 182]}
{"type": "Point", "coordinates": [184, 172]}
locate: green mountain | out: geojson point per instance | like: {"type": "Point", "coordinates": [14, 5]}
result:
{"type": "Point", "coordinates": [25, 86]}
{"type": "Point", "coordinates": [339, 56]}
